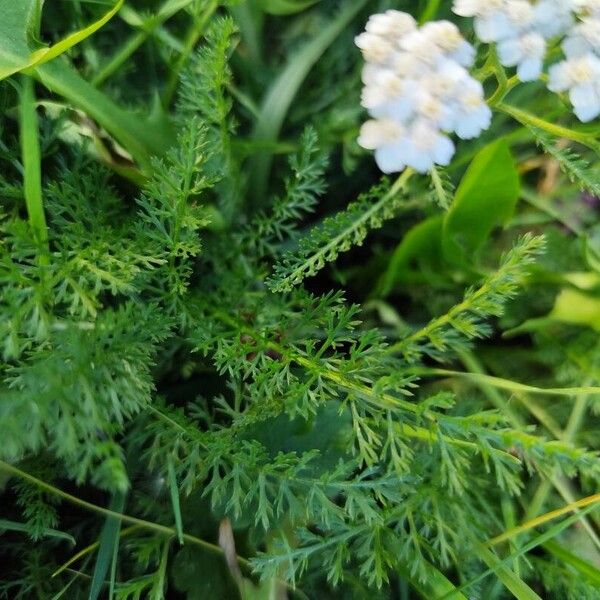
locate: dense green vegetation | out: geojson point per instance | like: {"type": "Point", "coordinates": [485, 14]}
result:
{"type": "Point", "coordinates": [238, 362]}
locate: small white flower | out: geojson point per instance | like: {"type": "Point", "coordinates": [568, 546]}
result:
{"type": "Point", "coordinates": [473, 115]}
{"type": "Point", "coordinates": [375, 48]}
{"type": "Point", "coordinates": [392, 23]}
{"type": "Point", "coordinates": [427, 146]}
{"type": "Point", "coordinates": [494, 27]}
{"type": "Point", "coordinates": [377, 132]}
{"type": "Point", "coordinates": [466, 8]}
{"type": "Point", "coordinates": [583, 38]}
{"type": "Point", "coordinates": [447, 37]}
{"type": "Point", "coordinates": [581, 78]}
{"type": "Point", "coordinates": [433, 110]}
{"type": "Point", "coordinates": [418, 92]}
{"type": "Point", "coordinates": [587, 7]}
{"type": "Point", "coordinates": [388, 139]}
{"type": "Point", "coordinates": [446, 81]}
{"type": "Point", "coordinates": [552, 17]}
{"type": "Point", "coordinates": [520, 13]}
{"type": "Point", "coordinates": [476, 8]}
{"type": "Point", "coordinates": [406, 65]}
{"type": "Point", "coordinates": [526, 53]}
{"type": "Point", "coordinates": [421, 46]}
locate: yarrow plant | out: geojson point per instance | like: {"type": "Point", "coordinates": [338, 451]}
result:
{"type": "Point", "coordinates": [238, 362]}
{"type": "Point", "coordinates": [418, 89]}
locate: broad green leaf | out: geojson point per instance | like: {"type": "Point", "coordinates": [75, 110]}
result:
{"type": "Point", "coordinates": [572, 307]}
{"type": "Point", "coordinates": [141, 137]}
{"type": "Point", "coordinates": [286, 7]}
{"type": "Point", "coordinates": [485, 199]}
{"type": "Point", "coordinates": [19, 48]}
{"type": "Point", "coordinates": [32, 168]}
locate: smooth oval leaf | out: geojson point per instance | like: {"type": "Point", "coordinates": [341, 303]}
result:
{"type": "Point", "coordinates": [486, 198]}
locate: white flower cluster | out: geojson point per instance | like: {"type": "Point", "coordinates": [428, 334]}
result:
{"type": "Point", "coordinates": [418, 90]}
{"type": "Point", "coordinates": [522, 28]}
{"type": "Point", "coordinates": [579, 73]}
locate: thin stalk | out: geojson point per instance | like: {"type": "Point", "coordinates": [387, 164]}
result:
{"type": "Point", "coordinates": [526, 118]}
{"type": "Point", "coordinates": [123, 54]}
{"type": "Point", "coordinates": [314, 259]}
{"type": "Point", "coordinates": [148, 525]}
{"type": "Point", "coordinates": [141, 523]}
{"type": "Point", "coordinates": [494, 396]}
{"type": "Point", "coordinates": [194, 34]}
{"type": "Point", "coordinates": [32, 167]}
{"type": "Point", "coordinates": [430, 11]}
{"type": "Point", "coordinates": [147, 29]}
{"type": "Point", "coordinates": [89, 549]}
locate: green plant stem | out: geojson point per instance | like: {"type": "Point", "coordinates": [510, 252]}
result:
{"type": "Point", "coordinates": [430, 11]}
{"type": "Point", "coordinates": [526, 118]}
{"type": "Point", "coordinates": [556, 481]}
{"type": "Point", "coordinates": [377, 399]}
{"type": "Point", "coordinates": [89, 549]}
{"type": "Point", "coordinates": [314, 259]}
{"type": "Point", "coordinates": [506, 384]}
{"type": "Point", "coordinates": [573, 425]}
{"type": "Point", "coordinates": [139, 523]}
{"type": "Point", "coordinates": [194, 34]}
{"type": "Point", "coordinates": [494, 396]}
{"type": "Point", "coordinates": [32, 167]}
{"type": "Point", "coordinates": [148, 525]}
{"type": "Point", "coordinates": [147, 29]}
{"type": "Point", "coordinates": [115, 63]}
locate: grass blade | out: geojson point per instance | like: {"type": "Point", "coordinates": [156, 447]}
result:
{"type": "Point", "coordinates": [284, 89]}
{"type": "Point", "coordinates": [31, 156]}
{"type": "Point", "coordinates": [175, 501]}
{"type": "Point", "coordinates": [509, 578]}
{"type": "Point", "coordinates": [108, 546]}
{"type": "Point", "coordinates": [586, 569]}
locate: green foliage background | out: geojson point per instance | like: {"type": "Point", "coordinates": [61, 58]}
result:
{"type": "Point", "coordinates": [236, 362]}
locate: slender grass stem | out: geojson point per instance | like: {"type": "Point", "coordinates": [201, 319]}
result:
{"type": "Point", "coordinates": [194, 34]}
{"type": "Point", "coordinates": [143, 524]}
{"type": "Point", "coordinates": [32, 167]}
{"type": "Point", "coordinates": [560, 131]}
{"type": "Point", "coordinates": [430, 11]}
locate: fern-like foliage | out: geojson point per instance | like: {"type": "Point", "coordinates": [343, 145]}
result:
{"type": "Point", "coordinates": [575, 167]}
{"type": "Point", "coordinates": [442, 188]}
{"type": "Point", "coordinates": [306, 184]}
{"type": "Point", "coordinates": [339, 233]}
{"type": "Point", "coordinates": [466, 320]}
{"type": "Point", "coordinates": [311, 442]}
{"type": "Point", "coordinates": [204, 93]}
{"type": "Point", "coordinates": [80, 333]}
